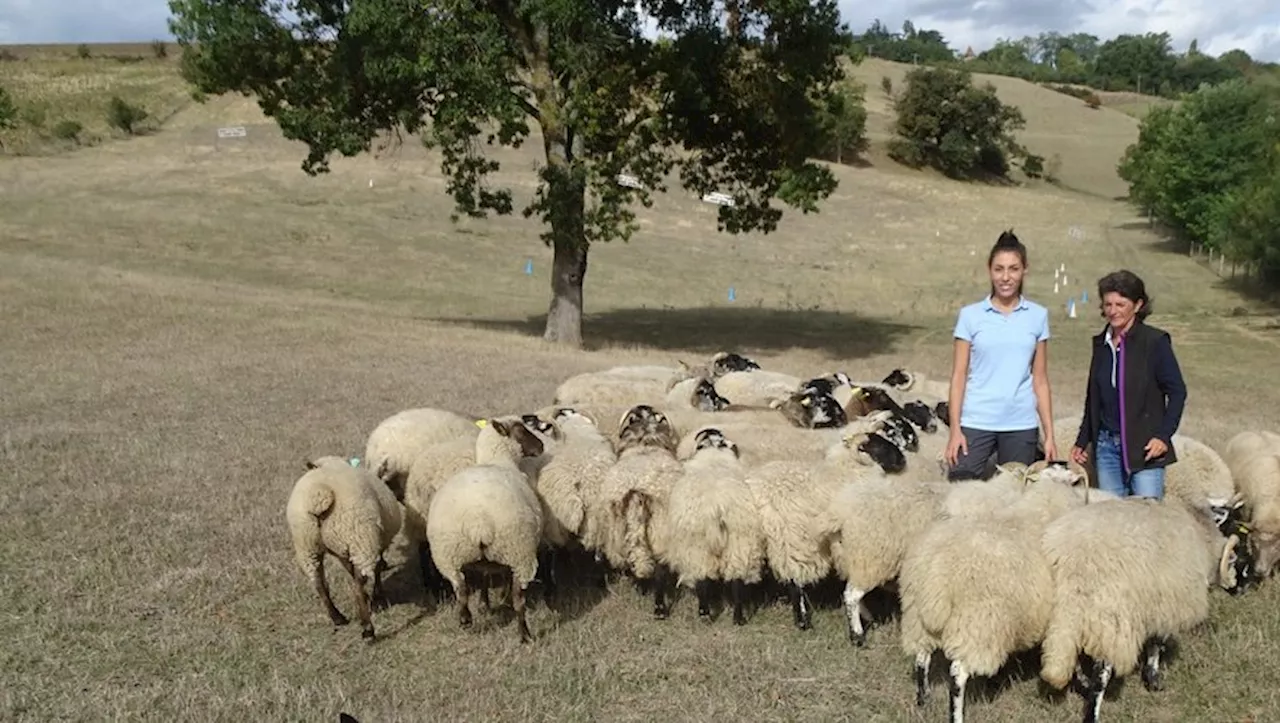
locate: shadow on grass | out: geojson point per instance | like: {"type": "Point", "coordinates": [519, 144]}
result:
{"type": "Point", "coordinates": [711, 329]}
{"type": "Point", "coordinates": [1265, 293]}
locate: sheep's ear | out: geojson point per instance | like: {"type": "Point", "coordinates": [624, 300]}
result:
{"type": "Point", "coordinates": [499, 427]}
{"type": "Point", "coordinates": [345, 718]}
{"type": "Point", "coordinates": [382, 470]}
{"type": "Point", "coordinates": [309, 463]}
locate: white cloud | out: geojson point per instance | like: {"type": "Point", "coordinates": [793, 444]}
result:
{"type": "Point", "coordinates": [1252, 25]}
{"type": "Point", "coordinates": [1217, 26]}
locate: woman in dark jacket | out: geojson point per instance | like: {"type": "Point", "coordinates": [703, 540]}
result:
{"type": "Point", "coordinates": [1135, 394]}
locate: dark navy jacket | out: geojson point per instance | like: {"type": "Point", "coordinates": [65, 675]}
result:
{"type": "Point", "coordinates": [1152, 396]}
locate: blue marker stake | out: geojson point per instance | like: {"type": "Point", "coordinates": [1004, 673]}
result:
{"type": "Point", "coordinates": [732, 294]}
{"type": "Point", "coordinates": [1084, 297]}
{"type": "Point", "coordinates": [528, 267]}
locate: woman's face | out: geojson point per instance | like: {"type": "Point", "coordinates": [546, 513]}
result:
{"type": "Point", "coordinates": [1118, 310]}
{"type": "Point", "coordinates": [1006, 274]}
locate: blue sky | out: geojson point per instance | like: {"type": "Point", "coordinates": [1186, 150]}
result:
{"type": "Point", "coordinates": [1253, 25]}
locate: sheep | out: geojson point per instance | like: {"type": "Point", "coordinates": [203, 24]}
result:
{"type": "Point", "coordinates": [1127, 574]}
{"type": "Point", "coordinates": [398, 439]}
{"type": "Point", "coordinates": [711, 531]}
{"type": "Point", "coordinates": [634, 491]}
{"type": "Point", "coordinates": [789, 496]}
{"type": "Point", "coordinates": [487, 519]}
{"type": "Point", "coordinates": [931, 390]}
{"type": "Point", "coordinates": [1254, 461]}
{"type": "Point", "coordinates": [811, 409]}
{"type": "Point", "coordinates": [431, 466]}
{"type": "Point", "coordinates": [569, 478]}
{"type": "Point", "coordinates": [757, 387]}
{"type": "Point", "coordinates": [1200, 475]}
{"type": "Point", "coordinates": [869, 525]}
{"type": "Point", "coordinates": [344, 511]}
{"type": "Point", "coordinates": [925, 419]}
{"type": "Point", "coordinates": [976, 584]}
{"type": "Point", "coordinates": [627, 385]}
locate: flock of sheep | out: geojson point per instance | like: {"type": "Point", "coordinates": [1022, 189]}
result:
{"type": "Point", "coordinates": [723, 472]}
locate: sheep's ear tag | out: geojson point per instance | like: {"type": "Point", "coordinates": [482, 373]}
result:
{"type": "Point", "coordinates": [482, 423]}
{"type": "Point", "coordinates": [354, 461]}
{"type": "Point", "coordinates": [806, 402]}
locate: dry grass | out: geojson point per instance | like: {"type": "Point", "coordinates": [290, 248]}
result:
{"type": "Point", "coordinates": [186, 321]}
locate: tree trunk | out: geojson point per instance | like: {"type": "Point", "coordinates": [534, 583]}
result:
{"type": "Point", "coordinates": [565, 212]}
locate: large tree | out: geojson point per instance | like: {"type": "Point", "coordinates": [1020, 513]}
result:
{"type": "Point", "coordinates": [730, 96]}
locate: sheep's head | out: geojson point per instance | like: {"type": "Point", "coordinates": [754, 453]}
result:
{"type": "Point", "coordinates": [943, 412]}
{"type": "Point", "coordinates": [874, 447]}
{"type": "Point", "coordinates": [712, 438]}
{"type": "Point", "coordinates": [530, 445]}
{"type": "Point", "coordinates": [1239, 568]}
{"type": "Point", "coordinates": [644, 426]}
{"type": "Point", "coordinates": [725, 362]}
{"type": "Point", "coordinates": [827, 384]}
{"type": "Point", "coordinates": [921, 416]}
{"type": "Point", "coordinates": [899, 431]}
{"type": "Point", "coordinates": [811, 410]}
{"type": "Point", "coordinates": [899, 379]}
{"type": "Point", "coordinates": [538, 425]}
{"type": "Point", "coordinates": [1059, 471]}
{"type": "Point", "coordinates": [706, 398]}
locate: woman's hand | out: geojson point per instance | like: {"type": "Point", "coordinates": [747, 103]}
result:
{"type": "Point", "coordinates": [955, 444]}
{"type": "Point", "coordinates": [1156, 448]}
{"type": "Point", "coordinates": [1050, 450]}
{"type": "Point", "coordinates": [1079, 456]}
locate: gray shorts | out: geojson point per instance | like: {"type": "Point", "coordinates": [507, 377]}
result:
{"type": "Point", "coordinates": [1016, 446]}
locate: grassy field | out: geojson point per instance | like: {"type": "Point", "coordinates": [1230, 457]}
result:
{"type": "Point", "coordinates": [187, 319]}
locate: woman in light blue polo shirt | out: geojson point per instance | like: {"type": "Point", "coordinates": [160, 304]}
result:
{"type": "Point", "coordinates": [999, 397]}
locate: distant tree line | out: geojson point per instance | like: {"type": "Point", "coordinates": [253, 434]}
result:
{"type": "Point", "coordinates": [1142, 63]}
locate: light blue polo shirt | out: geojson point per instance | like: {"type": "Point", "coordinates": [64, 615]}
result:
{"type": "Point", "coordinates": [998, 396]}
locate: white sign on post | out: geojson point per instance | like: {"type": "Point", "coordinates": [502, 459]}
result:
{"type": "Point", "coordinates": [232, 132]}
{"type": "Point", "coordinates": [718, 198]}
{"type": "Point", "coordinates": [626, 179]}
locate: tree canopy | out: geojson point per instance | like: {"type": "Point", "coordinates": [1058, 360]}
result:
{"type": "Point", "coordinates": [732, 98]}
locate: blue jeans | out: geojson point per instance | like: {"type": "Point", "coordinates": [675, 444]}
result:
{"type": "Point", "coordinates": [1111, 475]}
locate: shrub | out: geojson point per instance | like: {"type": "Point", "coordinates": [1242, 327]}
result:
{"type": "Point", "coordinates": [122, 115]}
{"type": "Point", "coordinates": [1033, 166]}
{"type": "Point", "coordinates": [67, 130]}
{"type": "Point", "coordinates": [82, 51]}
{"type": "Point", "coordinates": [946, 123]}
{"type": "Point", "coordinates": [1092, 100]}
{"type": "Point", "coordinates": [886, 84]}
{"type": "Point", "coordinates": [8, 110]}
{"type": "Point", "coordinates": [159, 49]}
{"type": "Point", "coordinates": [844, 120]}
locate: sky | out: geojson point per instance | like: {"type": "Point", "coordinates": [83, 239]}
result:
{"type": "Point", "coordinates": [1217, 25]}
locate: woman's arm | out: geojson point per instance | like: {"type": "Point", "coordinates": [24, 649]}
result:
{"type": "Point", "coordinates": [1044, 394]}
{"type": "Point", "coordinates": [959, 374]}
{"type": "Point", "coordinates": [1169, 379]}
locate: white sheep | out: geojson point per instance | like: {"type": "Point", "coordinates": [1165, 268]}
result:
{"type": "Point", "coordinates": [398, 439]}
{"type": "Point", "coordinates": [1129, 573]}
{"type": "Point", "coordinates": [756, 388]}
{"type": "Point", "coordinates": [487, 519]}
{"type": "Point", "coordinates": [346, 512]}
{"type": "Point", "coordinates": [630, 385]}
{"type": "Point", "coordinates": [1199, 476]}
{"type": "Point", "coordinates": [977, 586]}
{"type": "Point", "coordinates": [635, 490]}
{"type": "Point", "coordinates": [789, 496]}
{"type": "Point", "coordinates": [711, 530]}
{"type": "Point", "coordinates": [1254, 460]}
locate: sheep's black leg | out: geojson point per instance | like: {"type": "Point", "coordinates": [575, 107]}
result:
{"type": "Point", "coordinates": [547, 573]}
{"type": "Point", "coordinates": [702, 589]}
{"type": "Point", "coordinates": [959, 677]}
{"type": "Point", "coordinates": [1151, 677]}
{"type": "Point", "coordinates": [360, 580]}
{"type": "Point", "coordinates": [801, 609]}
{"type": "Point", "coordinates": [379, 594]}
{"type": "Point", "coordinates": [661, 581]}
{"type": "Point", "coordinates": [738, 594]}
{"type": "Point", "coordinates": [1099, 677]}
{"type": "Point", "coordinates": [517, 603]}
{"type": "Point", "coordinates": [432, 581]}
{"type": "Point", "coordinates": [322, 589]}
{"type": "Point", "coordinates": [922, 677]}
{"type": "Point", "coordinates": [463, 593]}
